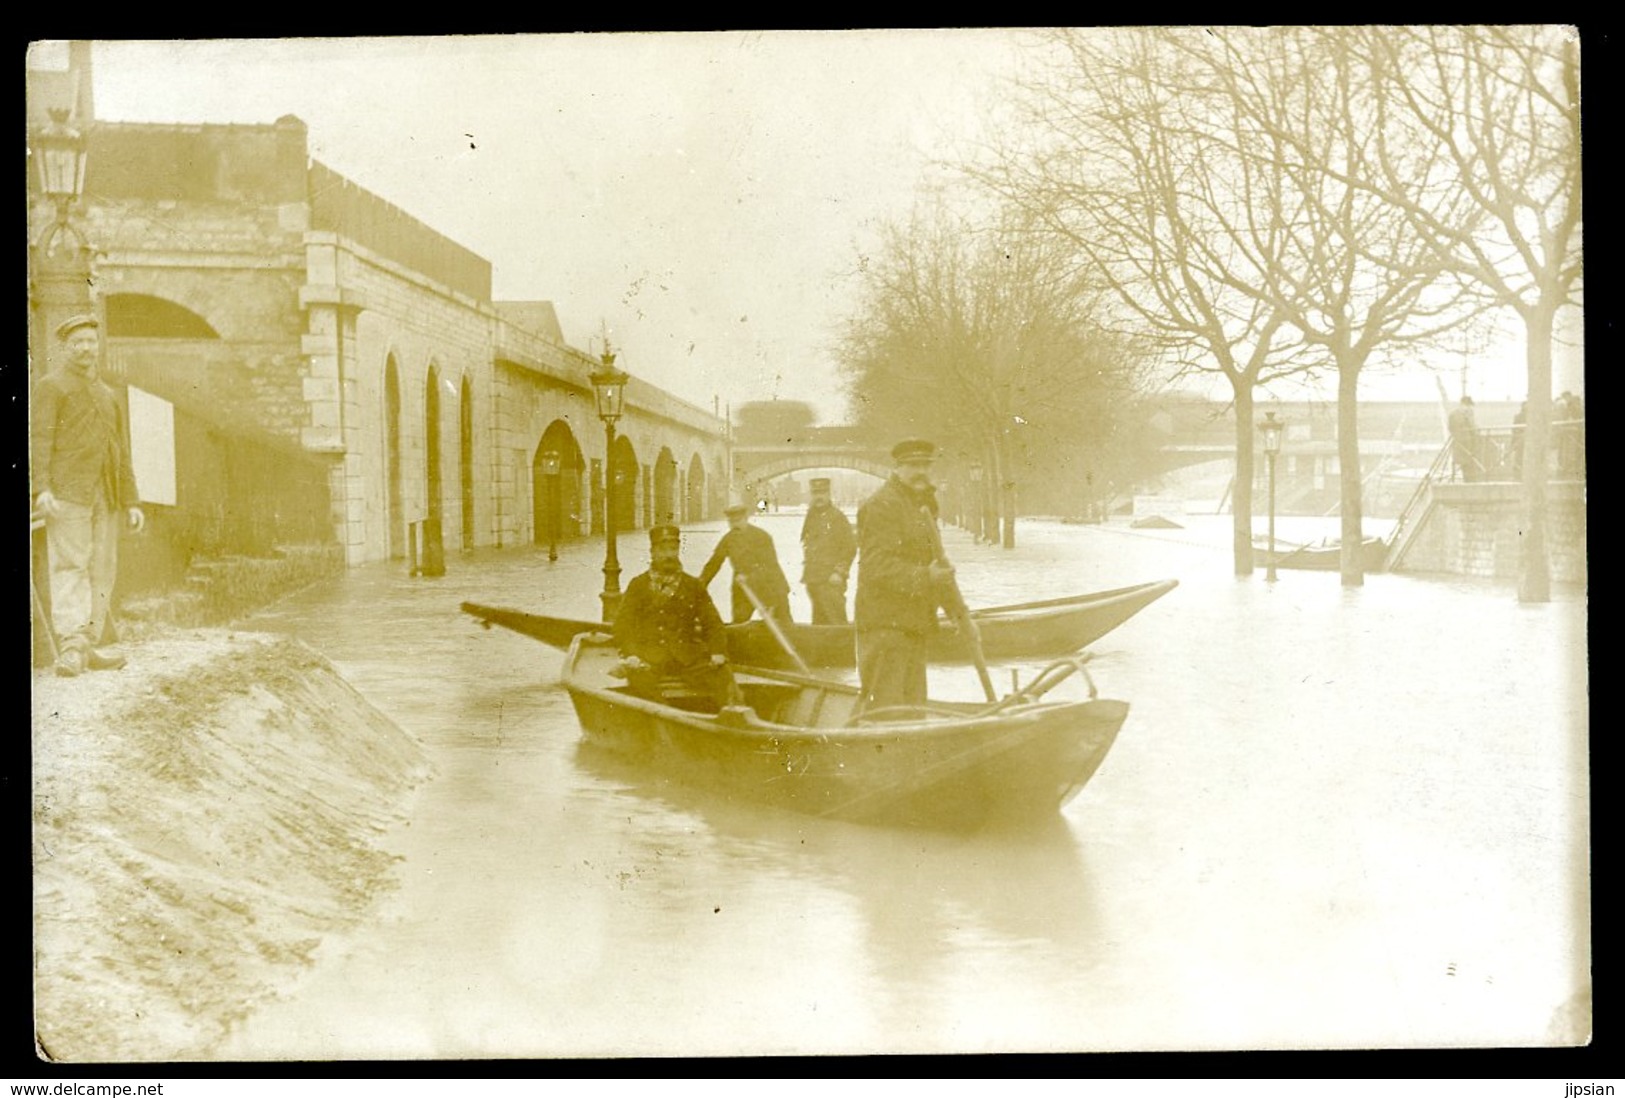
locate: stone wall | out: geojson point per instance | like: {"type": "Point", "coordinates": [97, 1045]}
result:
{"type": "Point", "coordinates": [1476, 530]}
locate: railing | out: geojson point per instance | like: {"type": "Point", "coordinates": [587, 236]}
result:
{"type": "Point", "coordinates": [1493, 455]}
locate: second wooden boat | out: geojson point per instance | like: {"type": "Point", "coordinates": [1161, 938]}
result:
{"type": "Point", "coordinates": [1045, 629]}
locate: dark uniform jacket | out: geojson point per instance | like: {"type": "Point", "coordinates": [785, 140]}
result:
{"type": "Point", "coordinates": [670, 632]}
{"type": "Point", "coordinates": [77, 444]}
{"type": "Point", "coordinates": [750, 551]}
{"type": "Point", "coordinates": [827, 545]}
{"type": "Point", "coordinates": [895, 550]}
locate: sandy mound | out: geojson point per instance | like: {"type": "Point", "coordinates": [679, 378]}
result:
{"type": "Point", "coordinates": [202, 819]}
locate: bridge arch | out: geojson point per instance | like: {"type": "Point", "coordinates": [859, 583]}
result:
{"type": "Point", "coordinates": [556, 499]}
{"type": "Point", "coordinates": [694, 508]}
{"type": "Point", "coordinates": [760, 472]}
{"type": "Point", "coordinates": [394, 507]}
{"type": "Point", "coordinates": [148, 316]}
{"type": "Point", "coordinates": [623, 483]}
{"type": "Point", "coordinates": [665, 488]}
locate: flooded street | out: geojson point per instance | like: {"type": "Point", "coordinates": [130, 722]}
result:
{"type": "Point", "coordinates": [1333, 818]}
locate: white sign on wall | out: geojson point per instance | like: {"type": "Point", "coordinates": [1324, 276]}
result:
{"type": "Point", "coordinates": [152, 446]}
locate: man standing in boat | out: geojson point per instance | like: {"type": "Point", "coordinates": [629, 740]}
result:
{"type": "Point", "coordinates": [669, 633]}
{"type": "Point", "coordinates": [827, 549]}
{"type": "Point", "coordinates": [900, 581]}
{"type": "Point", "coordinates": [749, 550]}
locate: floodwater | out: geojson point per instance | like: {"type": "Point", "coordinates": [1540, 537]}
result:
{"type": "Point", "coordinates": [1333, 819]}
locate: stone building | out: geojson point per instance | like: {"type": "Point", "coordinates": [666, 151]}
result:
{"type": "Point", "coordinates": [313, 363]}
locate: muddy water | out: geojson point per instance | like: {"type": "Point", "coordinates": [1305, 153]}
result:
{"type": "Point", "coordinates": [1333, 819]}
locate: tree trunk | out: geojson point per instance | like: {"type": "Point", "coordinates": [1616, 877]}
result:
{"type": "Point", "coordinates": [1004, 494]}
{"type": "Point", "coordinates": [1534, 570]}
{"type": "Point", "coordinates": [1349, 475]}
{"type": "Point", "coordinates": [1241, 495]}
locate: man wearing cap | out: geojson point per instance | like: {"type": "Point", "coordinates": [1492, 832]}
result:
{"type": "Point", "coordinates": [83, 483]}
{"type": "Point", "coordinates": [827, 549]}
{"type": "Point", "coordinates": [749, 549]}
{"type": "Point", "coordinates": [900, 581]}
{"type": "Point", "coordinates": [669, 632]}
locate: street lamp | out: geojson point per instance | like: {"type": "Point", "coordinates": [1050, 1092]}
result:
{"type": "Point", "coordinates": [609, 386]}
{"type": "Point", "coordinates": [1271, 430]}
{"type": "Point", "coordinates": [550, 470]}
{"type": "Point", "coordinates": [60, 155]}
{"type": "Point", "coordinates": [61, 275]}
{"type": "Point", "coordinates": [980, 508]}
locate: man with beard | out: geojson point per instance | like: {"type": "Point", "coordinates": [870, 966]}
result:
{"type": "Point", "coordinates": [669, 633]}
{"type": "Point", "coordinates": [827, 549]}
{"type": "Point", "coordinates": [900, 581]}
{"type": "Point", "coordinates": [749, 549]}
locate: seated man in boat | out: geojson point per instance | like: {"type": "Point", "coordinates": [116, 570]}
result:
{"type": "Point", "coordinates": [669, 632]}
{"type": "Point", "coordinates": [901, 582]}
{"type": "Point", "coordinates": [749, 549]}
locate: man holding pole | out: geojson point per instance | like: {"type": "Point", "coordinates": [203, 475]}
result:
{"type": "Point", "coordinates": [750, 551]}
{"type": "Point", "coordinates": [901, 581]}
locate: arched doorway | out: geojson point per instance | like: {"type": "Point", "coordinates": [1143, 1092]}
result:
{"type": "Point", "coordinates": [395, 516]}
{"type": "Point", "coordinates": [665, 488]}
{"type": "Point", "coordinates": [696, 490]}
{"type": "Point", "coordinates": [434, 550]}
{"type": "Point", "coordinates": [623, 474]}
{"type": "Point", "coordinates": [556, 495]}
{"type": "Point", "coordinates": [465, 459]}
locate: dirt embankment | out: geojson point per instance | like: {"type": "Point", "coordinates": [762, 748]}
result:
{"type": "Point", "coordinates": [202, 819]}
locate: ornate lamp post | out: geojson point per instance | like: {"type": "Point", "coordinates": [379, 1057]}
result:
{"type": "Point", "coordinates": [550, 470]}
{"type": "Point", "coordinates": [61, 282]}
{"type": "Point", "coordinates": [978, 507]}
{"type": "Point", "coordinates": [609, 385]}
{"type": "Point", "coordinates": [1271, 430]}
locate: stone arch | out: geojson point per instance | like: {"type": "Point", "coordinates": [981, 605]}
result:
{"type": "Point", "coordinates": [465, 457]}
{"type": "Point", "coordinates": [665, 488]}
{"type": "Point", "coordinates": [434, 561]}
{"type": "Point", "coordinates": [622, 483]}
{"type": "Point", "coordinates": [556, 500]}
{"type": "Point", "coordinates": [395, 507]}
{"type": "Point", "coordinates": [148, 316]}
{"type": "Point", "coordinates": [694, 508]}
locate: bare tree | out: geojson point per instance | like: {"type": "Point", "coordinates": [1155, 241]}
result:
{"type": "Point", "coordinates": [1355, 274]}
{"type": "Point", "coordinates": [1127, 148]}
{"type": "Point", "coordinates": [1501, 107]}
{"type": "Point", "coordinates": [986, 340]}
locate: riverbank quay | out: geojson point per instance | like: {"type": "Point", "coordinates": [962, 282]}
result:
{"type": "Point", "coordinates": [1334, 819]}
{"type": "Point", "coordinates": [202, 819]}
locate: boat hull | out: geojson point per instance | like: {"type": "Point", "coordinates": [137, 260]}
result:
{"type": "Point", "coordinates": [943, 771]}
{"type": "Point", "coordinates": [1320, 558]}
{"type": "Point", "coordinates": [1031, 630]}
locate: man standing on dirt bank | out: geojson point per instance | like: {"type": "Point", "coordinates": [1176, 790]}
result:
{"type": "Point", "coordinates": [750, 551]}
{"type": "Point", "coordinates": [83, 483]}
{"type": "Point", "coordinates": [669, 633]}
{"type": "Point", "coordinates": [900, 581]}
{"type": "Point", "coordinates": [827, 549]}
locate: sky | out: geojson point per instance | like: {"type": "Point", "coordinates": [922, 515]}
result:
{"type": "Point", "coordinates": [706, 196]}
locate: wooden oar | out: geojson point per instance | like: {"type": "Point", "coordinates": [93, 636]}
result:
{"type": "Point", "coordinates": [774, 628]}
{"type": "Point", "coordinates": [961, 612]}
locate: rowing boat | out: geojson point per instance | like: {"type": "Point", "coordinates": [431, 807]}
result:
{"type": "Point", "coordinates": [1041, 630]}
{"type": "Point", "coordinates": [1322, 556]}
{"type": "Point", "coordinates": [796, 744]}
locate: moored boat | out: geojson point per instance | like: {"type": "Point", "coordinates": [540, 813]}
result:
{"type": "Point", "coordinates": [796, 744]}
{"type": "Point", "coordinates": [1044, 629]}
{"type": "Point", "coordinates": [1322, 556]}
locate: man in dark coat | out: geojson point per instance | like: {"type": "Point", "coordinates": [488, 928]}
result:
{"type": "Point", "coordinates": [669, 633]}
{"type": "Point", "coordinates": [750, 551]}
{"type": "Point", "coordinates": [1464, 442]}
{"type": "Point", "coordinates": [827, 549]}
{"type": "Point", "coordinates": [900, 581]}
{"type": "Point", "coordinates": [84, 485]}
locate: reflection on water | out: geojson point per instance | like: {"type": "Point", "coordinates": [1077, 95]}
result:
{"type": "Point", "coordinates": [1322, 802]}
